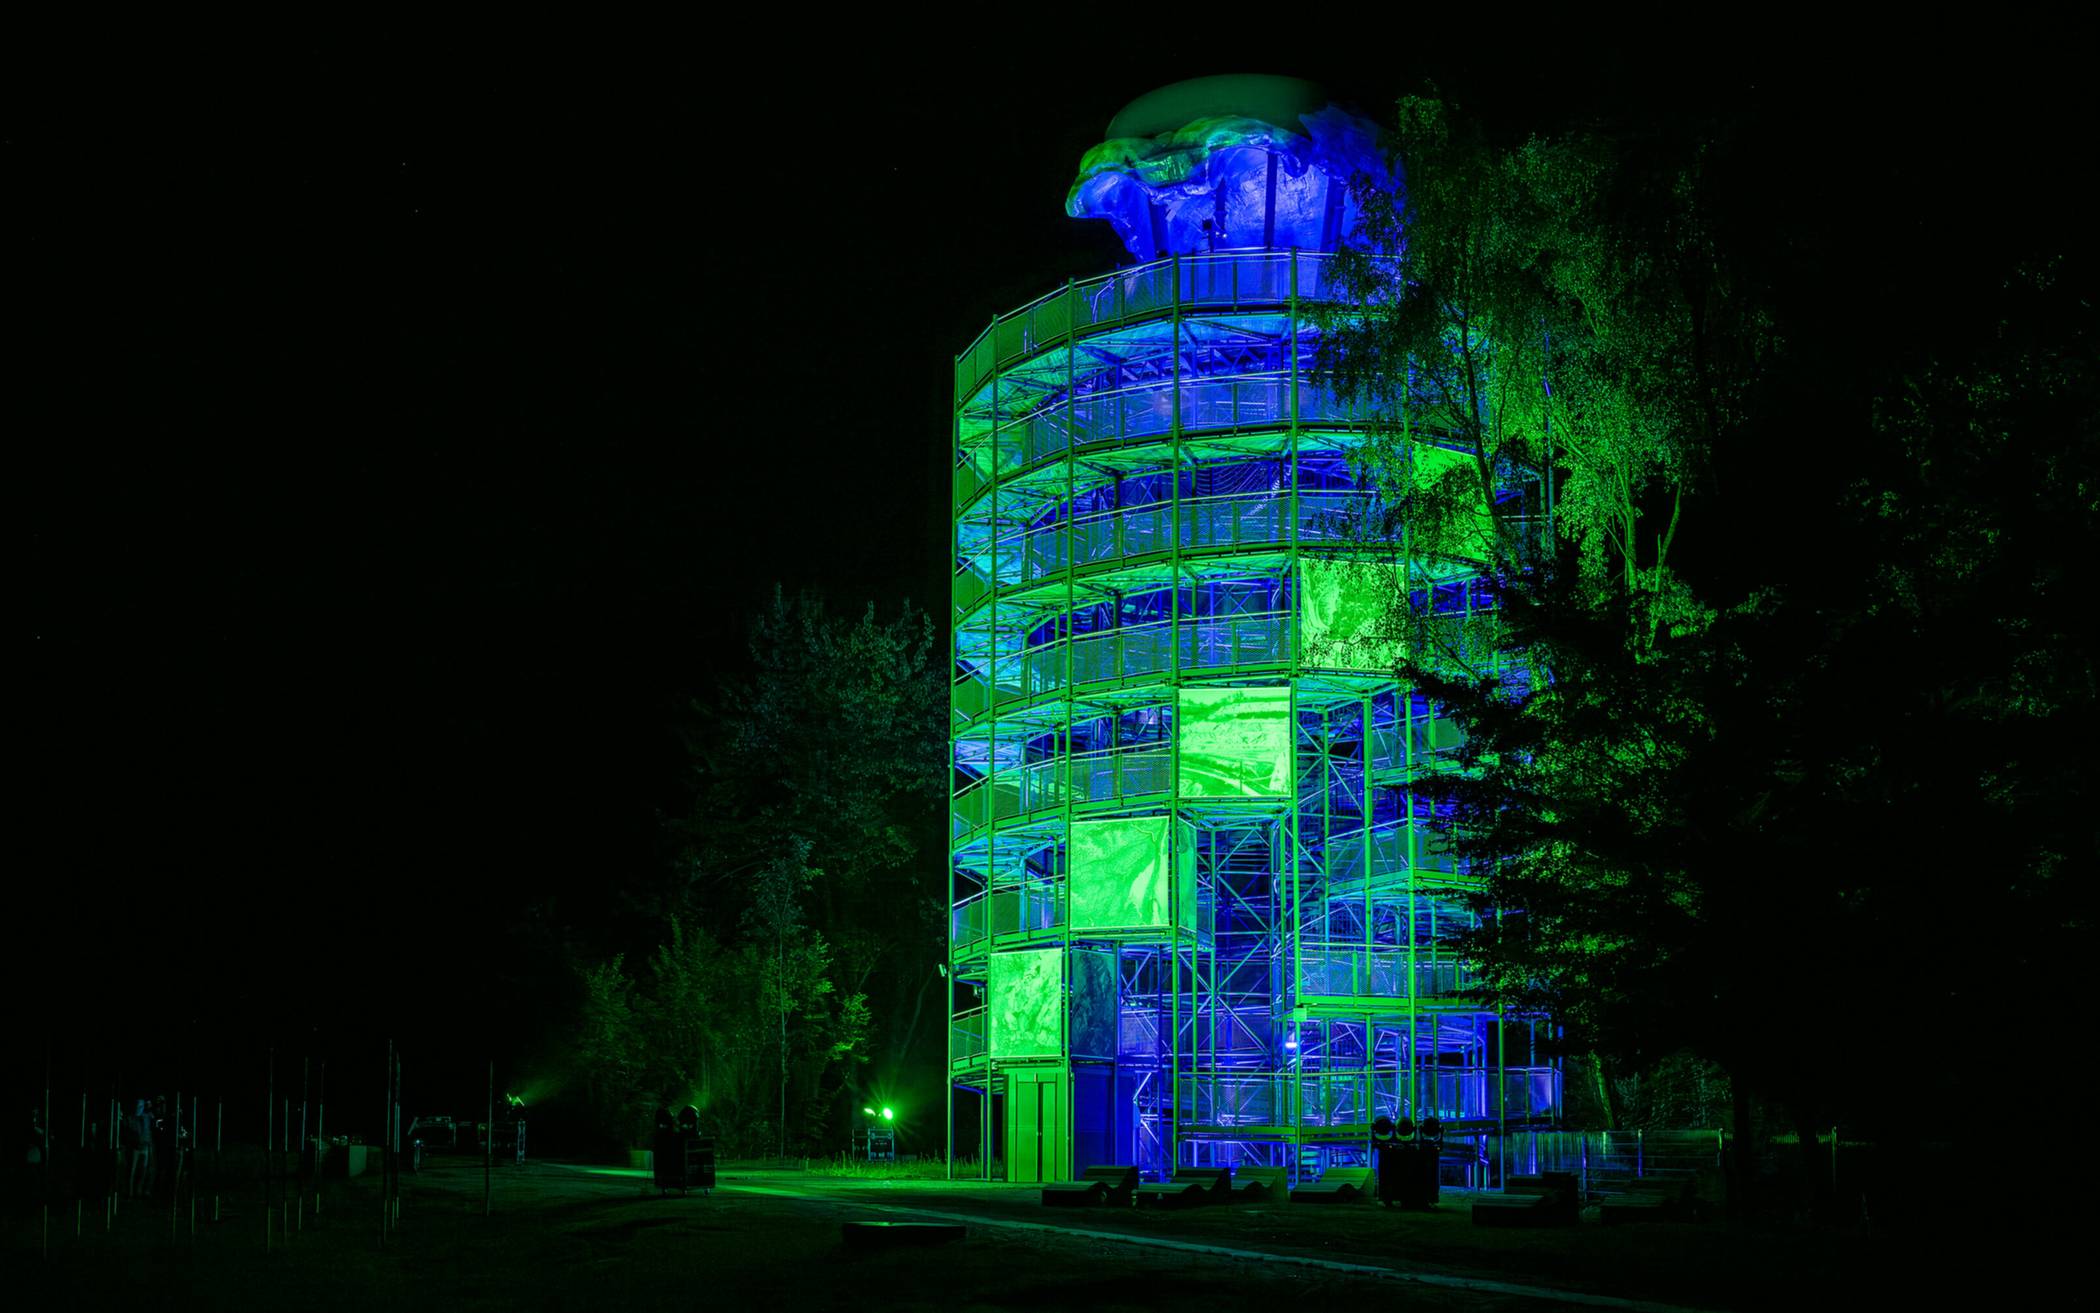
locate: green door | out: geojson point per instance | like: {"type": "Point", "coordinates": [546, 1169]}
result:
{"type": "Point", "coordinates": [1036, 1126]}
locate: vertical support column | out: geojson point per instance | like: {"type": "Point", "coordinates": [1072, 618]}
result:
{"type": "Point", "coordinates": [991, 728]}
{"type": "Point", "coordinates": [1293, 847]}
{"type": "Point", "coordinates": [1068, 1166]}
{"type": "Point", "coordinates": [1324, 745]}
{"type": "Point", "coordinates": [1501, 1103]}
{"type": "Point", "coordinates": [1405, 716]}
{"type": "Point", "coordinates": [1370, 913]}
{"type": "Point", "coordinates": [954, 719]}
{"type": "Point", "coordinates": [1170, 1126]}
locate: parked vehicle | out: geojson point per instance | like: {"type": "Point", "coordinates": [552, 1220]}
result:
{"type": "Point", "coordinates": [509, 1138]}
{"type": "Point", "coordinates": [424, 1135]}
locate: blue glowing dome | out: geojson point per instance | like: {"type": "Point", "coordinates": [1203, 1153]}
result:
{"type": "Point", "coordinates": [1230, 163]}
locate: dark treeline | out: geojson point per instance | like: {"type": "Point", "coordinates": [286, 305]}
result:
{"type": "Point", "coordinates": [1773, 747]}
{"type": "Point", "coordinates": [785, 962]}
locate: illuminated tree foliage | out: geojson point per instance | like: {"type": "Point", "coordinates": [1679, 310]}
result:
{"type": "Point", "coordinates": [1555, 305]}
{"type": "Point", "coordinates": [1549, 303]}
{"type": "Point", "coordinates": [837, 741]}
{"type": "Point", "coordinates": [1790, 830]}
{"type": "Point", "coordinates": [798, 926]}
{"type": "Point", "coordinates": [1844, 800]}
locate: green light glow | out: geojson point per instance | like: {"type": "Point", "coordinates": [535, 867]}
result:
{"type": "Point", "coordinates": [869, 1111]}
{"type": "Point", "coordinates": [1022, 994]}
{"type": "Point", "coordinates": [1235, 742]}
{"type": "Point", "coordinates": [888, 1115]}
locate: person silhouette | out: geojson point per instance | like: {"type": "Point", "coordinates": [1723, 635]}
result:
{"type": "Point", "coordinates": [137, 1133]}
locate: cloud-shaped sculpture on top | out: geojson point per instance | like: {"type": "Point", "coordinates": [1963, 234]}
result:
{"type": "Point", "coordinates": [1230, 163]}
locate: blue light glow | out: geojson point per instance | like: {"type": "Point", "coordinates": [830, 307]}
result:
{"type": "Point", "coordinates": [1231, 182]}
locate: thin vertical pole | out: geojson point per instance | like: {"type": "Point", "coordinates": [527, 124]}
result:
{"type": "Point", "coordinates": [488, 1143]}
{"type": "Point", "coordinates": [306, 1066]}
{"type": "Point", "coordinates": [218, 1149]}
{"type": "Point", "coordinates": [43, 1156]}
{"type": "Point", "coordinates": [386, 1141]}
{"type": "Point", "coordinates": [79, 1204]}
{"type": "Point", "coordinates": [269, 1143]}
{"type": "Point", "coordinates": [780, 991]}
{"type": "Point", "coordinates": [320, 1133]}
{"type": "Point", "coordinates": [175, 1181]}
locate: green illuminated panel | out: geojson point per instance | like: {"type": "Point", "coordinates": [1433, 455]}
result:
{"type": "Point", "coordinates": [1120, 874]}
{"type": "Point", "coordinates": [1235, 742]}
{"type": "Point", "coordinates": [1024, 993]}
{"type": "Point", "coordinates": [1345, 608]}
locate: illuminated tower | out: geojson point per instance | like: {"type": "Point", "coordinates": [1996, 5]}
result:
{"type": "Point", "coordinates": [1192, 918]}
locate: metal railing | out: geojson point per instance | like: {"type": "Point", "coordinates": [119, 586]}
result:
{"type": "Point", "coordinates": [966, 1036]}
{"type": "Point", "coordinates": [1606, 1161]}
{"type": "Point", "coordinates": [1001, 912]}
{"type": "Point", "coordinates": [1222, 281]}
{"type": "Point", "coordinates": [1144, 414]}
{"type": "Point", "coordinates": [1086, 779]}
{"type": "Point", "coordinates": [1132, 654]}
{"type": "Point", "coordinates": [1380, 971]}
{"type": "Point", "coordinates": [1354, 1097]}
{"type": "Point", "coordinates": [1039, 554]}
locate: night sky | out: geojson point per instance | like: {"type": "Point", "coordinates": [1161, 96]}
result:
{"type": "Point", "coordinates": [391, 465]}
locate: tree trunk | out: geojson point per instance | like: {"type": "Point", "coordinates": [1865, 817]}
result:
{"type": "Point", "coordinates": [902, 1053]}
{"type": "Point", "coordinates": [1742, 1172]}
{"type": "Point", "coordinates": [1604, 1099]}
{"type": "Point", "coordinates": [1813, 1167]}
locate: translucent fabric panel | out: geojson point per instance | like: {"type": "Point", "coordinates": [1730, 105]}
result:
{"type": "Point", "coordinates": [1346, 611]}
{"type": "Point", "coordinates": [1458, 521]}
{"type": "Point", "coordinates": [1024, 993]}
{"type": "Point", "coordinates": [1235, 742]}
{"type": "Point", "coordinates": [1126, 875]}
{"type": "Point", "coordinates": [1094, 1009]}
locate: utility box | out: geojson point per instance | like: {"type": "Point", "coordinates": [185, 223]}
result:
{"type": "Point", "coordinates": [684, 1158]}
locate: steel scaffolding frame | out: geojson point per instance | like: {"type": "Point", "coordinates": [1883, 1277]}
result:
{"type": "Point", "coordinates": [1143, 471]}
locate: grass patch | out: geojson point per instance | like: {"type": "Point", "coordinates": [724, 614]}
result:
{"type": "Point", "coordinates": [847, 1168]}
